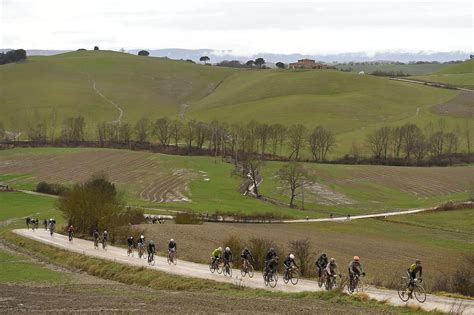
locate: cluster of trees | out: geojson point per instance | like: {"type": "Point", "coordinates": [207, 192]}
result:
{"type": "Point", "coordinates": [381, 73]}
{"type": "Point", "coordinates": [143, 53]}
{"type": "Point", "coordinates": [12, 56]}
{"type": "Point", "coordinates": [411, 142]}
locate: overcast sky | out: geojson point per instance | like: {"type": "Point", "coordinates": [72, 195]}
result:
{"type": "Point", "coordinates": [276, 26]}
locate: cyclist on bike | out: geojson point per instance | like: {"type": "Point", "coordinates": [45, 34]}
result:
{"type": "Point", "coordinates": [412, 272]}
{"type": "Point", "coordinates": [130, 243]}
{"type": "Point", "coordinates": [105, 237]}
{"type": "Point", "coordinates": [70, 231]}
{"type": "Point", "coordinates": [289, 262]}
{"type": "Point", "coordinates": [271, 265]}
{"type": "Point", "coordinates": [45, 223]}
{"type": "Point", "coordinates": [96, 236]}
{"type": "Point", "coordinates": [321, 264]}
{"type": "Point", "coordinates": [331, 270]}
{"type": "Point", "coordinates": [141, 241]}
{"type": "Point", "coordinates": [355, 269]}
{"type": "Point", "coordinates": [245, 256]}
{"type": "Point", "coordinates": [227, 256]}
{"type": "Point", "coordinates": [216, 254]}
{"type": "Point", "coordinates": [271, 254]}
{"type": "Point", "coordinates": [151, 248]}
{"type": "Point", "coordinates": [171, 246]}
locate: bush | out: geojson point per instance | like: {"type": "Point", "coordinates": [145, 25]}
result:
{"type": "Point", "coordinates": [187, 218]}
{"type": "Point", "coordinates": [461, 281]}
{"type": "Point", "coordinates": [259, 248]}
{"type": "Point", "coordinates": [51, 189]}
{"type": "Point", "coordinates": [301, 250]}
{"type": "Point", "coordinates": [119, 235]}
{"type": "Point", "coordinates": [236, 245]}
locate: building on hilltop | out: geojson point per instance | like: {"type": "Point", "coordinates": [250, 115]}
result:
{"type": "Point", "coordinates": [306, 64]}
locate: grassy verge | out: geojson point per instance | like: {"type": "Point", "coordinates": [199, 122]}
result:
{"type": "Point", "coordinates": [162, 281]}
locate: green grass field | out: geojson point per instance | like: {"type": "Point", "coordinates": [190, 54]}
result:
{"type": "Point", "coordinates": [461, 75]}
{"type": "Point", "coordinates": [410, 69]}
{"type": "Point", "coordinates": [154, 180]}
{"type": "Point", "coordinates": [348, 104]}
{"type": "Point", "coordinates": [16, 205]}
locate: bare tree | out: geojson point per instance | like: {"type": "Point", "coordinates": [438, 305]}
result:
{"type": "Point", "coordinates": [467, 134]}
{"type": "Point", "coordinates": [436, 142]}
{"type": "Point", "coordinates": [411, 134]}
{"type": "Point", "coordinates": [251, 168]}
{"type": "Point", "coordinates": [125, 132]}
{"type": "Point", "coordinates": [452, 142]}
{"type": "Point", "coordinates": [262, 132]}
{"type": "Point", "coordinates": [188, 133]}
{"type": "Point", "coordinates": [73, 129]}
{"type": "Point", "coordinates": [293, 175]}
{"type": "Point", "coordinates": [277, 134]}
{"type": "Point", "coordinates": [296, 137]}
{"type": "Point", "coordinates": [162, 129]}
{"type": "Point", "coordinates": [175, 130]}
{"type": "Point", "coordinates": [396, 141]}
{"type": "Point", "coordinates": [320, 143]}
{"type": "Point", "coordinates": [142, 129]}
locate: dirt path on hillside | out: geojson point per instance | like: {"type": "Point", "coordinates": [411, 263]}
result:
{"type": "Point", "coordinates": [120, 110]}
{"type": "Point", "coordinates": [189, 269]}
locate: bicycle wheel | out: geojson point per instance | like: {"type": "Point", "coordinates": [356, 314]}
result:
{"type": "Point", "coordinates": [360, 286]}
{"type": "Point", "coordinates": [402, 294]}
{"type": "Point", "coordinates": [321, 280]}
{"type": "Point", "coordinates": [250, 271]}
{"type": "Point", "coordinates": [294, 277]}
{"type": "Point", "coordinates": [174, 260]}
{"type": "Point", "coordinates": [243, 271]}
{"type": "Point", "coordinates": [273, 280]}
{"type": "Point", "coordinates": [219, 269]}
{"type": "Point", "coordinates": [286, 277]}
{"type": "Point", "coordinates": [420, 294]}
{"type": "Point", "coordinates": [212, 269]}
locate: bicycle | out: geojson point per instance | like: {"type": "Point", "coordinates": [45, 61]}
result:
{"type": "Point", "coordinates": [357, 284]}
{"type": "Point", "coordinates": [246, 269]}
{"type": "Point", "coordinates": [96, 243]}
{"type": "Point", "coordinates": [141, 251]}
{"type": "Point", "coordinates": [227, 269]}
{"type": "Point", "coordinates": [172, 258]}
{"type": "Point", "coordinates": [151, 259]}
{"type": "Point", "coordinates": [322, 279]}
{"type": "Point", "coordinates": [130, 251]}
{"type": "Point", "coordinates": [417, 290]}
{"type": "Point", "coordinates": [291, 275]}
{"type": "Point", "coordinates": [214, 265]}
{"type": "Point", "coordinates": [332, 283]}
{"type": "Point", "coordinates": [70, 236]}
{"type": "Point", "coordinates": [104, 244]}
{"type": "Point", "coordinates": [271, 278]}
{"type": "Point", "coordinates": [51, 230]}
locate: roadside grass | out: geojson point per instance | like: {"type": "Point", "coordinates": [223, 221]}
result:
{"type": "Point", "coordinates": [162, 281]}
{"type": "Point", "coordinates": [410, 69]}
{"type": "Point", "coordinates": [17, 269]}
{"type": "Point", "coordinates": [461, 75]}
{"type": "Point", "coordinates": [19, 205]}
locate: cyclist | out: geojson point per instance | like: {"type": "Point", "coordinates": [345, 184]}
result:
{"type": "Point", "coordinates": [227, 256]}
{"type": "Point", "coordinates": [321, 264]}
{"type": "Point", "coordinates": [330, 271]}
{"type": "Point", "coordinates": [412, 272]}
{"type": "Point", "coordinates": [105, 237]}
{"type": "Point", "coordinates": [171, 247]}
{"type": "Point", "coordinates": [355, 269]}
{"type": "Point", "coordinates": [52, 226]}
{"type": "Point", "coordinates": [96, 237]}
{"type": "Point", "coordinates": [216, 254]}
{"type": "Point", "coordinates": [70, 231]}
{"type": "Point", "coordinates": [141, 240]}
{"type": "Point", "coordinates": [288, 263]}
{"type": "Point", "coordinates": [28, 221]}
{"type": "Point", "coordinates": [271, 265]}
{"type": "Point", "coordinates": [151, 249]}
{"type": "Point", "coordinates": [130, 243]}
{"type": "Point", "coordinates": [45, 223]}
{"type": "Point", "coordinates": [271, 254]}
{"type": "Point", "coordinates": [245, 256]}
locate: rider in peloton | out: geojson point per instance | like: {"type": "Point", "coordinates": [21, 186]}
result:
{"type": "Point", "coordinates": [227, 256]}
{"type": "Point", "coordinates": [171, 246]}
{"type": "Point", "coordinates": [130, 242]}
{"type": "Point", "coordinates": [321, 264]}
{"type": "Point", "coordinates": [245, 256]}
{"type": "Point", "coordinates": [216, 254]}
{"type": "Point", "coordinates": [355, 268]}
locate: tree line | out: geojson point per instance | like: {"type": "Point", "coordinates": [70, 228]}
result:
{"type": "Point", "coordinates": [12, 56]}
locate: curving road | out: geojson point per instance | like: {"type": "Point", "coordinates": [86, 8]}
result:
{"type": "Point", "coordinates": [189, 269]}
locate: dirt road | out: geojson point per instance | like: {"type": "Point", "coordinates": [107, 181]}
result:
{"type": "Point", "coordinates": [189, 269]}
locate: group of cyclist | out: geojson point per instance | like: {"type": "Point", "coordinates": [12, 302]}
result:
{"type": "Point", "coordinates": [104, 238]}
{"type": "Point", "coordinates": [32, 222]}
{"type": "Point", "coordinates": [326, 268]}
{"type": "Point", "coordinates": [150, 247]}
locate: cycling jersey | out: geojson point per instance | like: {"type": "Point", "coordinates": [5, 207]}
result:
{"type": "Point", "coordinates": [246, 254]}
{"type": "Point", "coordinates": [151, 248]}
{"type": "Point", "coordinates": [96, 235]}
{"type": "Point", "coordinates": [270, 255]}
{"type": "Point", "coordinates": [289, 262]}
{"type": "Point", "coordinates": [105, 236]}
{"type": "Point", "coordinates": [227, 255]}
{"type": "Point", "coordinates": [331, 268]}
{"type": "Point", "coordinates": [217, 252]}
{"type": "Point", "coordinates": [414, 269]}
{"type": "Point", "coordinates": [130, 241]}
{"type": "Point", "coordinates": [355, 268]}
{"type": "Point", "coordinates": [172, 246]}
{"type": "Point", "coordinates": [322, 262]}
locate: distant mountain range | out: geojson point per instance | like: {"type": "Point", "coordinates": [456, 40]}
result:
{"type": "Point", "coordinates": [219, 55]}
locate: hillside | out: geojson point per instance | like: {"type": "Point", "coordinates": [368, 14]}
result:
{"type": "Point", "coordinates": [410, 69]}
{"type": "Point", "coordinates": [461, 75]}
{"type": "Point", "coordinates": [101, 84]}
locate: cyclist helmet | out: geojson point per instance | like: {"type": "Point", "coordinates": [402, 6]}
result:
{"type": "Point", "coordinates": [246, 249]}
{"type": "Point", "coordinates": [151, 242]}
{"type": "Point", "coordinates": [220, 248]}
{"type": "Point", "coordinates": [131, 237]}
{"type": "Point", "coordinates": [292, 256]}
{"type": "Point", "coordinates": [356, 258]}
{"type": "Point", "coordinates": [172, 240]}
{"type": "Point", "coordinates": [324, 255]}
{"type": "Point", "coordinates": [272, 249]}
{"type": "Point", "coordinates": [418, 261]}
{"type": "Point", "coordinates": [105, 232]}
{"type": "Point", "coordinates": [141, 236]}
{"type": "Point", "coordinates": [332, 260]}
{"type": "Point", "coordinates": [227, 249]}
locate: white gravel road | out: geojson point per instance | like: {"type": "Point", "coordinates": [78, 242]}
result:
{"type": "Point", "coordinates": [189, 269]}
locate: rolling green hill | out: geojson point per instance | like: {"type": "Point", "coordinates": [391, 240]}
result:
{"type": "Point", "coordinates": [410, 69]}
{"type": "Point", "coordinates": [96, 83]}
{"type": "Point", "coordinates": [461, 74]}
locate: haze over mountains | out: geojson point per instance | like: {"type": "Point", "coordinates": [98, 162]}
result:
{"type": "Point", "coordinates": [220, 55]}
